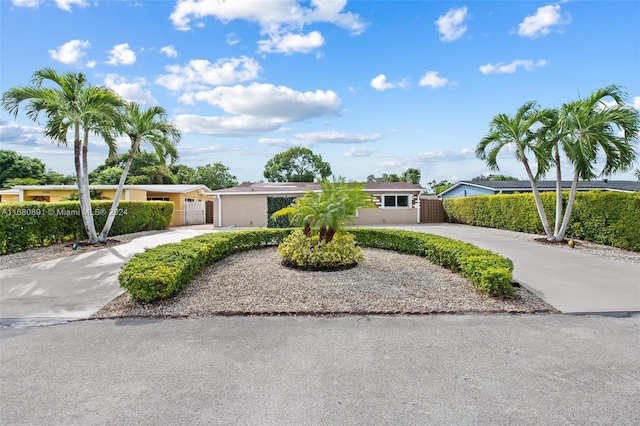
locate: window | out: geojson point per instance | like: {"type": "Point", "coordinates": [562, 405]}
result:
{"type": "Point", "coordinates": [158, 199]}
{"type": "Point", "coordinates": [396, 201]}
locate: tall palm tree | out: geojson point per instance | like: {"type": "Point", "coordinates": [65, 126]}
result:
{"type": "Point", "coordinates": [70, 106]}
{"type": "Point", "coordinates": [523, 130]}
{"type": "Point", "coordinates": [590, 126]}
{"type": "Point", "coordinates": [149, 126]}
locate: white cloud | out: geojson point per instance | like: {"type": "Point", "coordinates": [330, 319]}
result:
{"type": "Point", "coordinates": [131, 90]}
{"type": "Point", "coordinates": [501, 68]}
{"type": "Point", "coordinates": [542, 22]}
{"type": "Point", "coordinates": [70, 52]}
{"type": "Point", "coordinates": [281, 21]}
{"type": "Point", "coordinates": [431, 79]}
{"type": "Point", "coordinates": [90, 64]}
{"type": "Point", "coordinates": [232, 39]}
{"type": "Point", "coordinates": [291, 43]}
{"type": "Point", "coordinates": [360, 151]}
{"type": "Point", "coordinates": [636, 103]}
{"type": "Point", "coordinates": [26, 3]}
{"type": "Point", "coordinates": [380, 83]}
{"type": "Point", "coordinates": [11, 133]}
{"type": "Point", "coordinates": [66, 4]}
{"type": "Point", "coordinates": [257, 108]}
{"type": "Point", "coordinates": [200, 73]}
{"type": "Point", "coordinates": [436, 156]}
{"type": "Point", "coordinates": [451, 26]}
{"type": "Point", "coordinates": [170, 51]}
{"type": "Point", "coordinates": [326, 137]}
{"type": "Point", "coordinates": [121, 55]}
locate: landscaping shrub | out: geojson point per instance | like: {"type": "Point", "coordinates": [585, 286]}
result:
{"type": "Point", "coordinates": [273, 205]}
{"type": "Point", "coordinates": [610, 218]}
{"type": "Point", "coordinates": [165, 270]}
{"type": "Point", "coordinates": [298, 250]}
{"type": "Point", "coordinates": [36, 224]}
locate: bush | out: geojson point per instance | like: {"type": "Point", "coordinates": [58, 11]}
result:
{"type": "Point", "coordinates": [37, 224]}
{"type": "Point", "coordinates": [298, 250]}
{"type": "Point", "coordinates": [610, 218]}
{"type": "Point", "coordinates": [165, 270]}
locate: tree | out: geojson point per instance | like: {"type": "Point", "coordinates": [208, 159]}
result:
{"type": "Point", "coordinates": [522, 131]}
{"type": "Point", "coordinates": [213, 176]}
{"type": "Point", "coordinates": [494, 177]}
{"type": "Point", "coordinates": [108, 176]}
{"type": "Point", "coordinates": [182, 173]}
{"type": "Point", "coordinates": [328, 210]}
{"type": "Point", "coordinates": [410, 175]}
{"type": "Point", "coordinates": [439, 187]}
{"type": "Point", "coordinates": [71, 105]}
{"type": "Point", "coordinates": [296, 165]}
{"type": "Point", "coordinates": [637, 173]}
{"type": "Point", "coordinates": [16, 166]}
{"type": "Point", "coordinates": [140, 126]}
{"type": "Point", "coordinates": [584, 128]}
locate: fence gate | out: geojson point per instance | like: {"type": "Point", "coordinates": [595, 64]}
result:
{"type": "Point", "coordinates": [431, 210]}
{"type": "Point", "coordinates": [209, 212]}
{"type": "Point", "coordinates": [194, 213]}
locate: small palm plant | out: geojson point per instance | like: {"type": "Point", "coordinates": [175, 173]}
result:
{"type": "Point", "coordinates": [320, 245]}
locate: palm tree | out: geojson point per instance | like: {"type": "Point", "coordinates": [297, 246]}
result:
{"type": "Point", "coordinates": [72, 105]}
{"type": "Point", "coordinates": [149, 126]}
{"type": "Point", "coordinates": [523, 131]}
{"type": "Point", "coordinates": [328, 210]}
{"type": "Point", "coordinates": [588, 126]}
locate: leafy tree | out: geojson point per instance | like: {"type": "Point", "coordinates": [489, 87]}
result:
{"type": "Point", "coordinates": [108, 176]}
{"type": "Point", "coordinates": [519, 130]}
{"type": "Point", "coordinates": [16, 166]}
{"type": "Point", "coordinates": [296, 165]}
{"type": "Point", "coordinates": [495, 177]}
{"type": "Point", "coordinates": [10, 183]}
{"type": "Point", "coordinates": [182, 173]}
{"type": "Point", "coordinates": [411, 175]}
{"type": "Point", "coordinates": [586, 127]}
{"type": "Point", "coordinates": [55, 178]}
{"type": "Point", "coordinates": [213, 176]}
{"type": "Point", "coordinates": [439, 187]}
{"type": "Point", "coordinates": [637, 172]}
{"type": "Point", "coordinates": [385, 178]}
{"type": "Point", "coordinates": [326, 212]}
{"type": "Point", "coordinates": [140, 126]}
{"type": "Point", "coordinates": [71, 105]}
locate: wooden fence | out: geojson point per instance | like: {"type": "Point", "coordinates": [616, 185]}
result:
{"type": "Point", "coordinates": [431, 210]}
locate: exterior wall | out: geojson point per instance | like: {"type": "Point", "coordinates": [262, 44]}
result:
{"type": "Point", "coordinates": [387, 216]}
{"type": "Point", "coordinates": [467, 191]}
{"type": "Point", "coordinates": [242, 210]}
{"type": "Point", "coordinates": [10, 198]}
{"type": "Point", "coordinates": [133, 195]}
{"type": "Point", "coordinates": [51, 196]}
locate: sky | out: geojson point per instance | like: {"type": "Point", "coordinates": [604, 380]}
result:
{"type": "Point", "coordinates": [373, 87]}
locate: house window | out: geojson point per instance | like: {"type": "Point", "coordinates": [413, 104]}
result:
{"type": "Point", "coordinates": [396, 201]}
{"type": "Point", "coordinates": [189, 200]}
{"type": "Point", "coordinates": [158, 199]}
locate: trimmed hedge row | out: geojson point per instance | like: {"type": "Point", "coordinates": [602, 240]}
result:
{"type": "Point", "coordinates": [166, 270]}
{"type": "Point", "coordinates": [36, 224]}
{"type": "Point", "coordinates": [604, 217]}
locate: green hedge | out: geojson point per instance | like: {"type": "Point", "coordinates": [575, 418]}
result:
{"type": "Point", "coordinates": [604, 217]}
{"type": "Point", "coordinates": [166, 270]}
{"type": "Point", "coordinates": [37, 224]}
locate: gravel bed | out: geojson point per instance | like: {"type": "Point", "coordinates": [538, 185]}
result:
{"type": "Point", "coordinates": [387, 282]}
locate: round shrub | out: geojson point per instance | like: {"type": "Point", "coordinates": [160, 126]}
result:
{"type": "Point", "coordinates": [300, 251]}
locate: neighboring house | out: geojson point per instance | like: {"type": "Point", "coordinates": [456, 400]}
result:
{"type": "Point", "coordinates": [190, 201]}
{"type": "Point", "coordinates": [492, 187]}
{"type": "Point", "coordinates": [246, 205]}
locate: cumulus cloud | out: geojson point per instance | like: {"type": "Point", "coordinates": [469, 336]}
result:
{"type": "Point", "coordinates": [121, 55]}
{"type": "Point", "coordinates": [170, 51]}
{"type": "Point", "coordinates": [544, 20]}
{"type": "Point", "coordinates": [380, 83]}
{"type": "Point", "coordinates": [443, 155]}
{"type": "Point", "coordinates": [257, 108]}
{"type": "Point", "coordinates": [70, 52]}
{"type": "Point", "coordinates": [451, 26]}
{"type": "Point", "coordinates": [360, 151]}
{"type": "Point", "coordinates": [636, 103]}
{"type": "Point", "coordinates": [66, 4]}
{"type": "Point", "coordinates": [282, 21]}
{"type": "Point", "coordinates": [26, 3]}
{"type": "Point", "coordinates": [134, 91]}
{"type": "Point", "coordinates": [433, 80]}
{"type": "Point", "coordinates": [291, 43]}
{"type": "Point", "coordinates": [200, 73]}
{"type": "Point", "coordinates": [501, 68]}
{"type": "Point", "coordinates": [232, 39]}
{"type": "Point", "coordinates": [327, 137]}
{"type": "Point", "coordinates": [11, 133]}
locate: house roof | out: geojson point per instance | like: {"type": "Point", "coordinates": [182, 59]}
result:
{"type": "Point", "coordinates": [548, 185]}
{"type": "Point", "coordinates": [301, 187]}
{"type": "Point", "coordinates": [149, 188]}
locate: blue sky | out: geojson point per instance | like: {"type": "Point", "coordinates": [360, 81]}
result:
{"type": "Point", "coordinates": [372, 86]}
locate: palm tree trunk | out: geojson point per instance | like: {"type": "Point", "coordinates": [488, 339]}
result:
{"type": "Point", "coordinates": [567, 213]}
{"type": "Point", "coordinates": [536, 196]}
{"type": "Point", "coordinates": [85, 195]}
{"type": "Point", "coordinates": [558, 192]}
{"type": "Point", "coordinates": [83, 191]}
{"type": "Point", "coordinates": [116, 199]}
